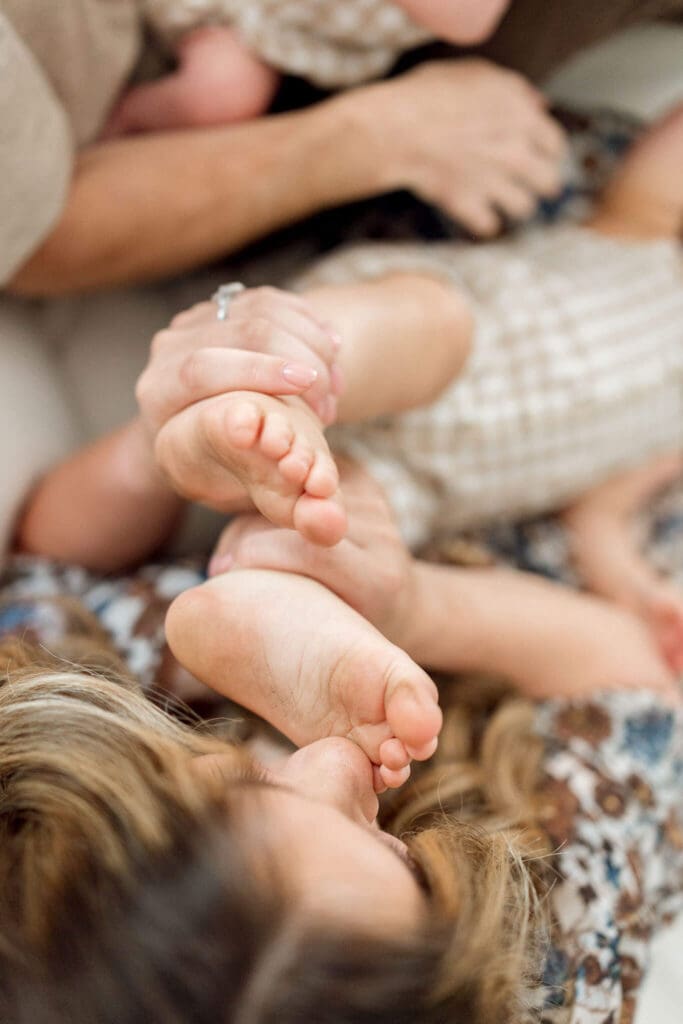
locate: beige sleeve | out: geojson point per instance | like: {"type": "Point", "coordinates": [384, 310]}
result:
{"type": "Point", "coordinates": [36, 154]}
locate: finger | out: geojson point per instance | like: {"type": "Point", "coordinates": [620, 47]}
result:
{"type": "Point", "coordinates": [512, 198]}
{"type": "Point", "coordinates": [208, 372]}
{"type": "Point", "coordinates": [476, 214]}
{"type": "Point", "coordinates": [549, 138]}
{"type": "Point", "coordinates": [258, 334]}
{"type": "Point", "coordinates": [299, 325]}
{"type": "Point", "coordinates": [201, 313]}
{"type": "Point", "coordinates": [273, 303]}
{"type": "Point", "coordinates": [541, 176]}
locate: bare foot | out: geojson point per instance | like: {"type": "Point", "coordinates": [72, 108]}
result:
{"type": "Point", "coordinates": [276, 449]}
{"type": "Point", "coordinates": [294, 653]}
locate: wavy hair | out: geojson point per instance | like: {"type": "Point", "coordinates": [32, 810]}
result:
{"type": "Point", "coordinates": [127, 892]}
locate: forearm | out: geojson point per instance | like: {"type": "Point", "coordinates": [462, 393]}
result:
{"type": "Point", "coordinates": [106, 508]}
{"type": "Point", "coordinates": [146, 207]}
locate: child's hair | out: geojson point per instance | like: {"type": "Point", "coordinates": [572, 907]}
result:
{"type": "Point", "coordinates": [128, 894]}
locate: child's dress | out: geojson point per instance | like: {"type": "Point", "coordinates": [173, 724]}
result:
{"type": "Point", "coordinates": [330, 43]}
{"type": "Point", "coordinates": [576, 373]}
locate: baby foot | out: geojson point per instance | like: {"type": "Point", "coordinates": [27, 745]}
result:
{"type": "Point", "coordinates": [662, 607]}
{"type": "Point", "coordinates": [276, 449]}
{"type": "Point", "coordinates": [295, 654]}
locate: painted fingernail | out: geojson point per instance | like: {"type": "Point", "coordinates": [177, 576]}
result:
{"type": "Point", "coordinates": [299, 376]}
{"type": "Point", "coordinates": [220, 564]}
{"type": "Point", "coordinates": [337, 380]}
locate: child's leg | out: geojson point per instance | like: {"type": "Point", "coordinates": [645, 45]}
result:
{"type": "Point", "coordinates": [608, 552]}
{"type": "Point", "coordinates": [543, 637]}
{"type": "Point", "coordinates": [292, 650]}
{"type": "Point", "coordinates": [404, 338]}
{"type": "Point", "coordinates": [645, 199]}
{"type": "Point", "coordinates": [218, 82]}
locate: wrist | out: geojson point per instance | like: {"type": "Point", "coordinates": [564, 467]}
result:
{"type": "Point", "coordinates": [350, 151]}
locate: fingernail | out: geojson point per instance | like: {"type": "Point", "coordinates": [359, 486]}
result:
{"type": "Point", "coordinates": [337, 380]}
{"type": "Point", "coordinates": [299, 376]}
{"type": "Point", "coordinates": [220, 564]}
{"type": "Point", "coordinates": [336, 339]}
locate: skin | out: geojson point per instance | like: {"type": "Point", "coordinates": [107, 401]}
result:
{"type": "Point", "coordinates": [184, 199]}
{"type": "Point", "coordinates": [321, 805]}
{"type": "Point", "coordinates": [464, 22]}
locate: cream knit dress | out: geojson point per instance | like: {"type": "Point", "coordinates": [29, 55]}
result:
{"type": "Point", "coordinates": [332, 43]}
{"type": "Point", "coordinates": [576, 373]}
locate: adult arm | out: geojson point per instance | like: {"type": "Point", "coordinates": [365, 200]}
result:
{"type": "Point", "coordinates": [469, 137]}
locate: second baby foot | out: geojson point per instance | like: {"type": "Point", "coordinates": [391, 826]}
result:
{"type": "Point", "coordinates": [294, 653]}
{"type": "Point", "coordinates": [276, 449]}
{"type": "Point", "coordinates": [662, 608]}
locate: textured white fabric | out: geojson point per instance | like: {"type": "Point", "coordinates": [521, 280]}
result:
{"type": "Point", "coordinates": [329, 43]}
{"type": "Point", "coordinates": [576, 373]}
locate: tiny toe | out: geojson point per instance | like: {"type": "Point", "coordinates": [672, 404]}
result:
{"type": "Point", "coordinates": [296, 464]}
{"type": "Point", "coordinates": [320, 520]}
{"type": "Point", "coordinates": [394, 755]}
{"type": "Point", "coordinates": [412, 708]}
{"type": "Point", "coordinates": [243, 422]}
{"type": "Point", "coordinates": [424, 752]}
{"type": "Point", "coordinates": [323, 479]}
{"type": "Point", "coordinates": [394, 780]}
{"type": "Point", "coordinates": [277, 436]}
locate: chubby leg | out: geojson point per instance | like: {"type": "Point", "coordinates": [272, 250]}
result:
{"type": "Point", "coordinates": [543, 637]}
{"type": "Point", "coordinates": [405, 337]}
{"type": "Point", "coordinates": [608, 554]}
{"type": "Point", "coordinates": [218, 82]}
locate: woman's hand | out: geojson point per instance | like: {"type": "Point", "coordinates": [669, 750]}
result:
{"type": "Point", "coordinates": [272, 342]}
{"type": "Point", "coordinates": [466, 135]}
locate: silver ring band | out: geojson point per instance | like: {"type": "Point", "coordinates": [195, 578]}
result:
{"type": "Point", "coordinates": [224, 296]}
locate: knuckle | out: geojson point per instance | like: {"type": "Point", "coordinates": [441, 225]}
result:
{"type": "Point", "coordinates": [191, 370]}
{"type": "Point", "coordinates": [161, 341]}
{"type": "Point", "coordinates": [145, 394]}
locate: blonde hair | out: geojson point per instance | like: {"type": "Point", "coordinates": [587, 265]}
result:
{"type": "Point", "coordinates": [111, 846]}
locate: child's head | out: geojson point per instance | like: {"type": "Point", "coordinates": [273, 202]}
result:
{"type": "Point", "coordinates": [135, 887]}
{"type": "Point", "coordinates": [463, 22]}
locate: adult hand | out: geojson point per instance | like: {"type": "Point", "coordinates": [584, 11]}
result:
{"type": "Point", "coordinates": [472, 138]}
{"type": "Point", "coordinates": [370, 569]}
{"type": "Point", "coordinates": [272, 342]}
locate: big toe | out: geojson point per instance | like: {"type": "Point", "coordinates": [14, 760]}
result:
{"type": "Point", "coordinates": [412, 708]}
{"type": "Point", "coordinates": [320, 520]}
